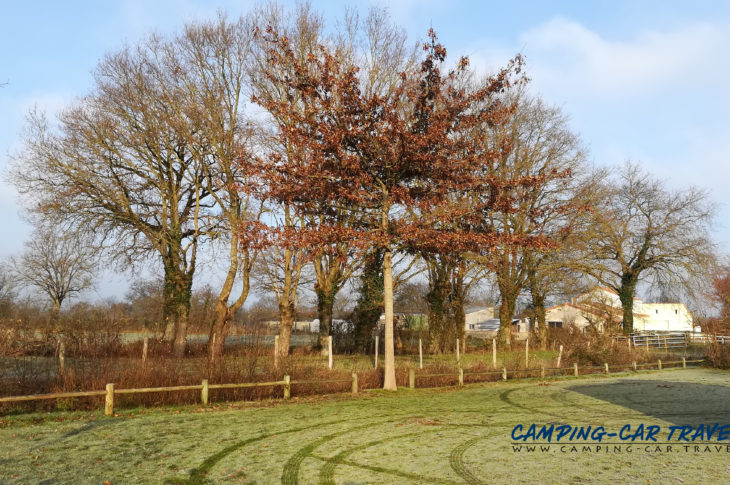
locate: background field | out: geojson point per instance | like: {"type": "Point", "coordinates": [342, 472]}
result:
{"type": "Point", "coordinates": [440, 436]}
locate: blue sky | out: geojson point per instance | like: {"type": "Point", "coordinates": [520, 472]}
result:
{"type": "Point", "coordinates": [640, 80]}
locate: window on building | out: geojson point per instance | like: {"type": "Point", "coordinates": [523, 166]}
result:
{"type": "Point", "coordinates": [676, 312]}
{"type": "Point", "coordinates": [657, 311]}
{"type": "Point", "coordinates": [555, 324]}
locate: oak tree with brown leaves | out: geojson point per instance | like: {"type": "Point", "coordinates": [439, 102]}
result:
{"type": "Point", "coordinates": [375, 156]}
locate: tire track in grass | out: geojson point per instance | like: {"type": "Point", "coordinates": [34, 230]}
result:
{"type": "Point", "coordinates": [327, 472]}
{"type": "Point", "coordinates": [505, 396]}
{"type": "Point", "coordinates": [290, 473]}
{"type": "Point", "coordinates": [197, 475]}
{"type": "Point", "coordinates": [456, 460]}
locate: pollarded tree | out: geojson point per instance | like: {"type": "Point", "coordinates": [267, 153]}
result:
{"type": "Point", "coordinates": [643, 230]}
{"type": "Point", "coordinates": [375, 155]}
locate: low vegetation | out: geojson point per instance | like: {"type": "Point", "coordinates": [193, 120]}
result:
{"type": "Point", "coordinates": [379, 437]}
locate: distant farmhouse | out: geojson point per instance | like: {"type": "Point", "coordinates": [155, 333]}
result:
{"type": "Point", "coordinates": [601, 307]}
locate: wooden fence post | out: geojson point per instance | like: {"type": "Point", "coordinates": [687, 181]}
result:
{"type": "Point", "coordinates": [145, 346]}
{"type": "Point", "coordinates": [420, 354]}
{"type": "Point", "coordinates": [329, 352]}
{"type": "Point", "coordinates": [276, 352]}
{"type": "Point", "coordinates": [109, 400]}
{"type": "Point", "coordinates": [458, 357]}
{"type": "Point", "coordinates": [461, 376]}
{"type": "Point", "coordinates": [666, 347]}
{"type": "Point", "coordinates": [634, 363]}
{"type": "Point", "coordinates": [376, 351]}
{"type": "Point", "coordinates": [527, 353]}
{"type": "Point", "coordinates": [204, 392]}
{"type": "Point", "coordinates": [659, 364]}
{"type": "Point", "coordinates": [647, 342]}
{"type": "Point", "coordinates": [412, 378]}
{"type": "Point", "coordinates": [560, 356]}
{"type": "Point", "coordinates": [287, 387]}
{"type": "Point", "coordinates": [61, 356]}
{"type": "Point", "coordinates": [542, 372]}
{"type": "Point", "coordinates": [494, 353]}
{"type": "Point", "coordinates": [628, 340]}
{"type": "Point", "coordinates": [504, 373]}
{"type": "Point", "coordinates": [684, 363]}
{"type": "Point", "coordinates": [354, 383]}
{"type": "Point", "coordinates": [605, 364]}
{"type": "Point", "coordinates": [575, 369]}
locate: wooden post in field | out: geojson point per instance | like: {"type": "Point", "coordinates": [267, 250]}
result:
{"type": "Point", "coordinates": [287, 387]}
{"type": "Point", "coordinates": [412, 378]}
{"type": "Point", "coordinates": [527, 353]}
{"type": "Point", "coordinates": [458, 357]}
{"type": "Point", "coordinates": [109, 400]}
{"type": "Point", "coordinates": [647, 343]}
{"type": "Point", "coordinates": [684, 363]}
{"type": "Point", "coordinates": [276, 352]}
{"type": "Point", "coordinates": [494, 353]}
{"type": "Point", "coordinates": [376, 351]}
{"type": "Point", "coordinates": [504, 373]}
{"type": "Point", "coordinates": [204, 392]}
{"type": "Point", "coordinates": [575, 369]}
{"type": "Point", "coordinates": [420, 354]}
{"type": "Point", "coordinates": [61, 357]}
{"type": "Point", "coordinates": [560, 356]}
{"type": "Point", "coordinates": [354, 383]}
{"type": "Point", "coordinates": [666, 347]}
{"type": "Point", "coordinates": [329, 352]}
{"type": "Point", "coordinates": [634, 364]}
{"type": "Point", "coordinates": [542, 372]}
{"type": "Point", "coordinates": [145, 347]}
{"type": "Point", "coordinates": [628, 340]}
{"type": "Point", "coordinates": [659, 364]}
{"type": "Point", "coordinates": [463, 346]}
{"type": "Point", "coordinates": [605, 364]}
{"type": "Point", "coordinates": [461, 376]}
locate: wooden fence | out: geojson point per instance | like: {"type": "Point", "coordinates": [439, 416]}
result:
{"type": "Point", "coordinates": [204, 387]}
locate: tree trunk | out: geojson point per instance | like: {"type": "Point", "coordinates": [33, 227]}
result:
{"type": "Point", "coordinates": [457, 307]}
{"type": "Point", "coordinates": [389, 380]}
{"type": "Point", "coordinates": [538, 305]}
{"type": "Point", "coordinates": [218, 333]}
{"type": "Point", "coordinates": [436, 299]}
{"type": "Point", "coordinates": [176, 298]}
{"type": "Point", "coordinates": [286, 322]}
{"type": "Point", "coordinates": [626, 295]}
{"type": "Point", "coordinates": [370, 301]}
{"type": "Point", "coordinates": [506, 312]}
{"type": "Point", "coordinates": [223, 311]}
{"type": "Point", "coordinates": [325, 304]}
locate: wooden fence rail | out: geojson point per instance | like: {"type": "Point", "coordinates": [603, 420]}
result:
{"type": "Point", "coordinates": [204, 387]}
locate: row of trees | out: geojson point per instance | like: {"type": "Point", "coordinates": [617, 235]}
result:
{"type": "Point", "coordinates": [356, 149]}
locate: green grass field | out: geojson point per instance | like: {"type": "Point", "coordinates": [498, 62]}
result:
{"type": "Point", "coordinates": [439, 436]}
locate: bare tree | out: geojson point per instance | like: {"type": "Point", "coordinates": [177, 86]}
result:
{"type": "Point", "coordinates": [544, 149]}
{"type": "Point", "coordinates": [149, 161]}
{"type": "Point", "coordinates": [643, 230]}
{"type": "Point", "coordinates": [58, 264]}
{"type": "Point", "coordinates": [7, 290]}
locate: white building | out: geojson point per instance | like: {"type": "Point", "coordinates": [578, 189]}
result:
{"type": "Point", "coordinates": [667, 316]}
{"type": "Point", "coordinates": [601, 306]}
{"type": "Point", "coordinates": [473, 317]}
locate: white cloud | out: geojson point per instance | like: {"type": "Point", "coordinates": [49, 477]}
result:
{"type": "Point", "coordinates": [563, 54]}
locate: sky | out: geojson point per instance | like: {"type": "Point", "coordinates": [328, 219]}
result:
{"type": "Point", "coordinates": [641, 80]}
